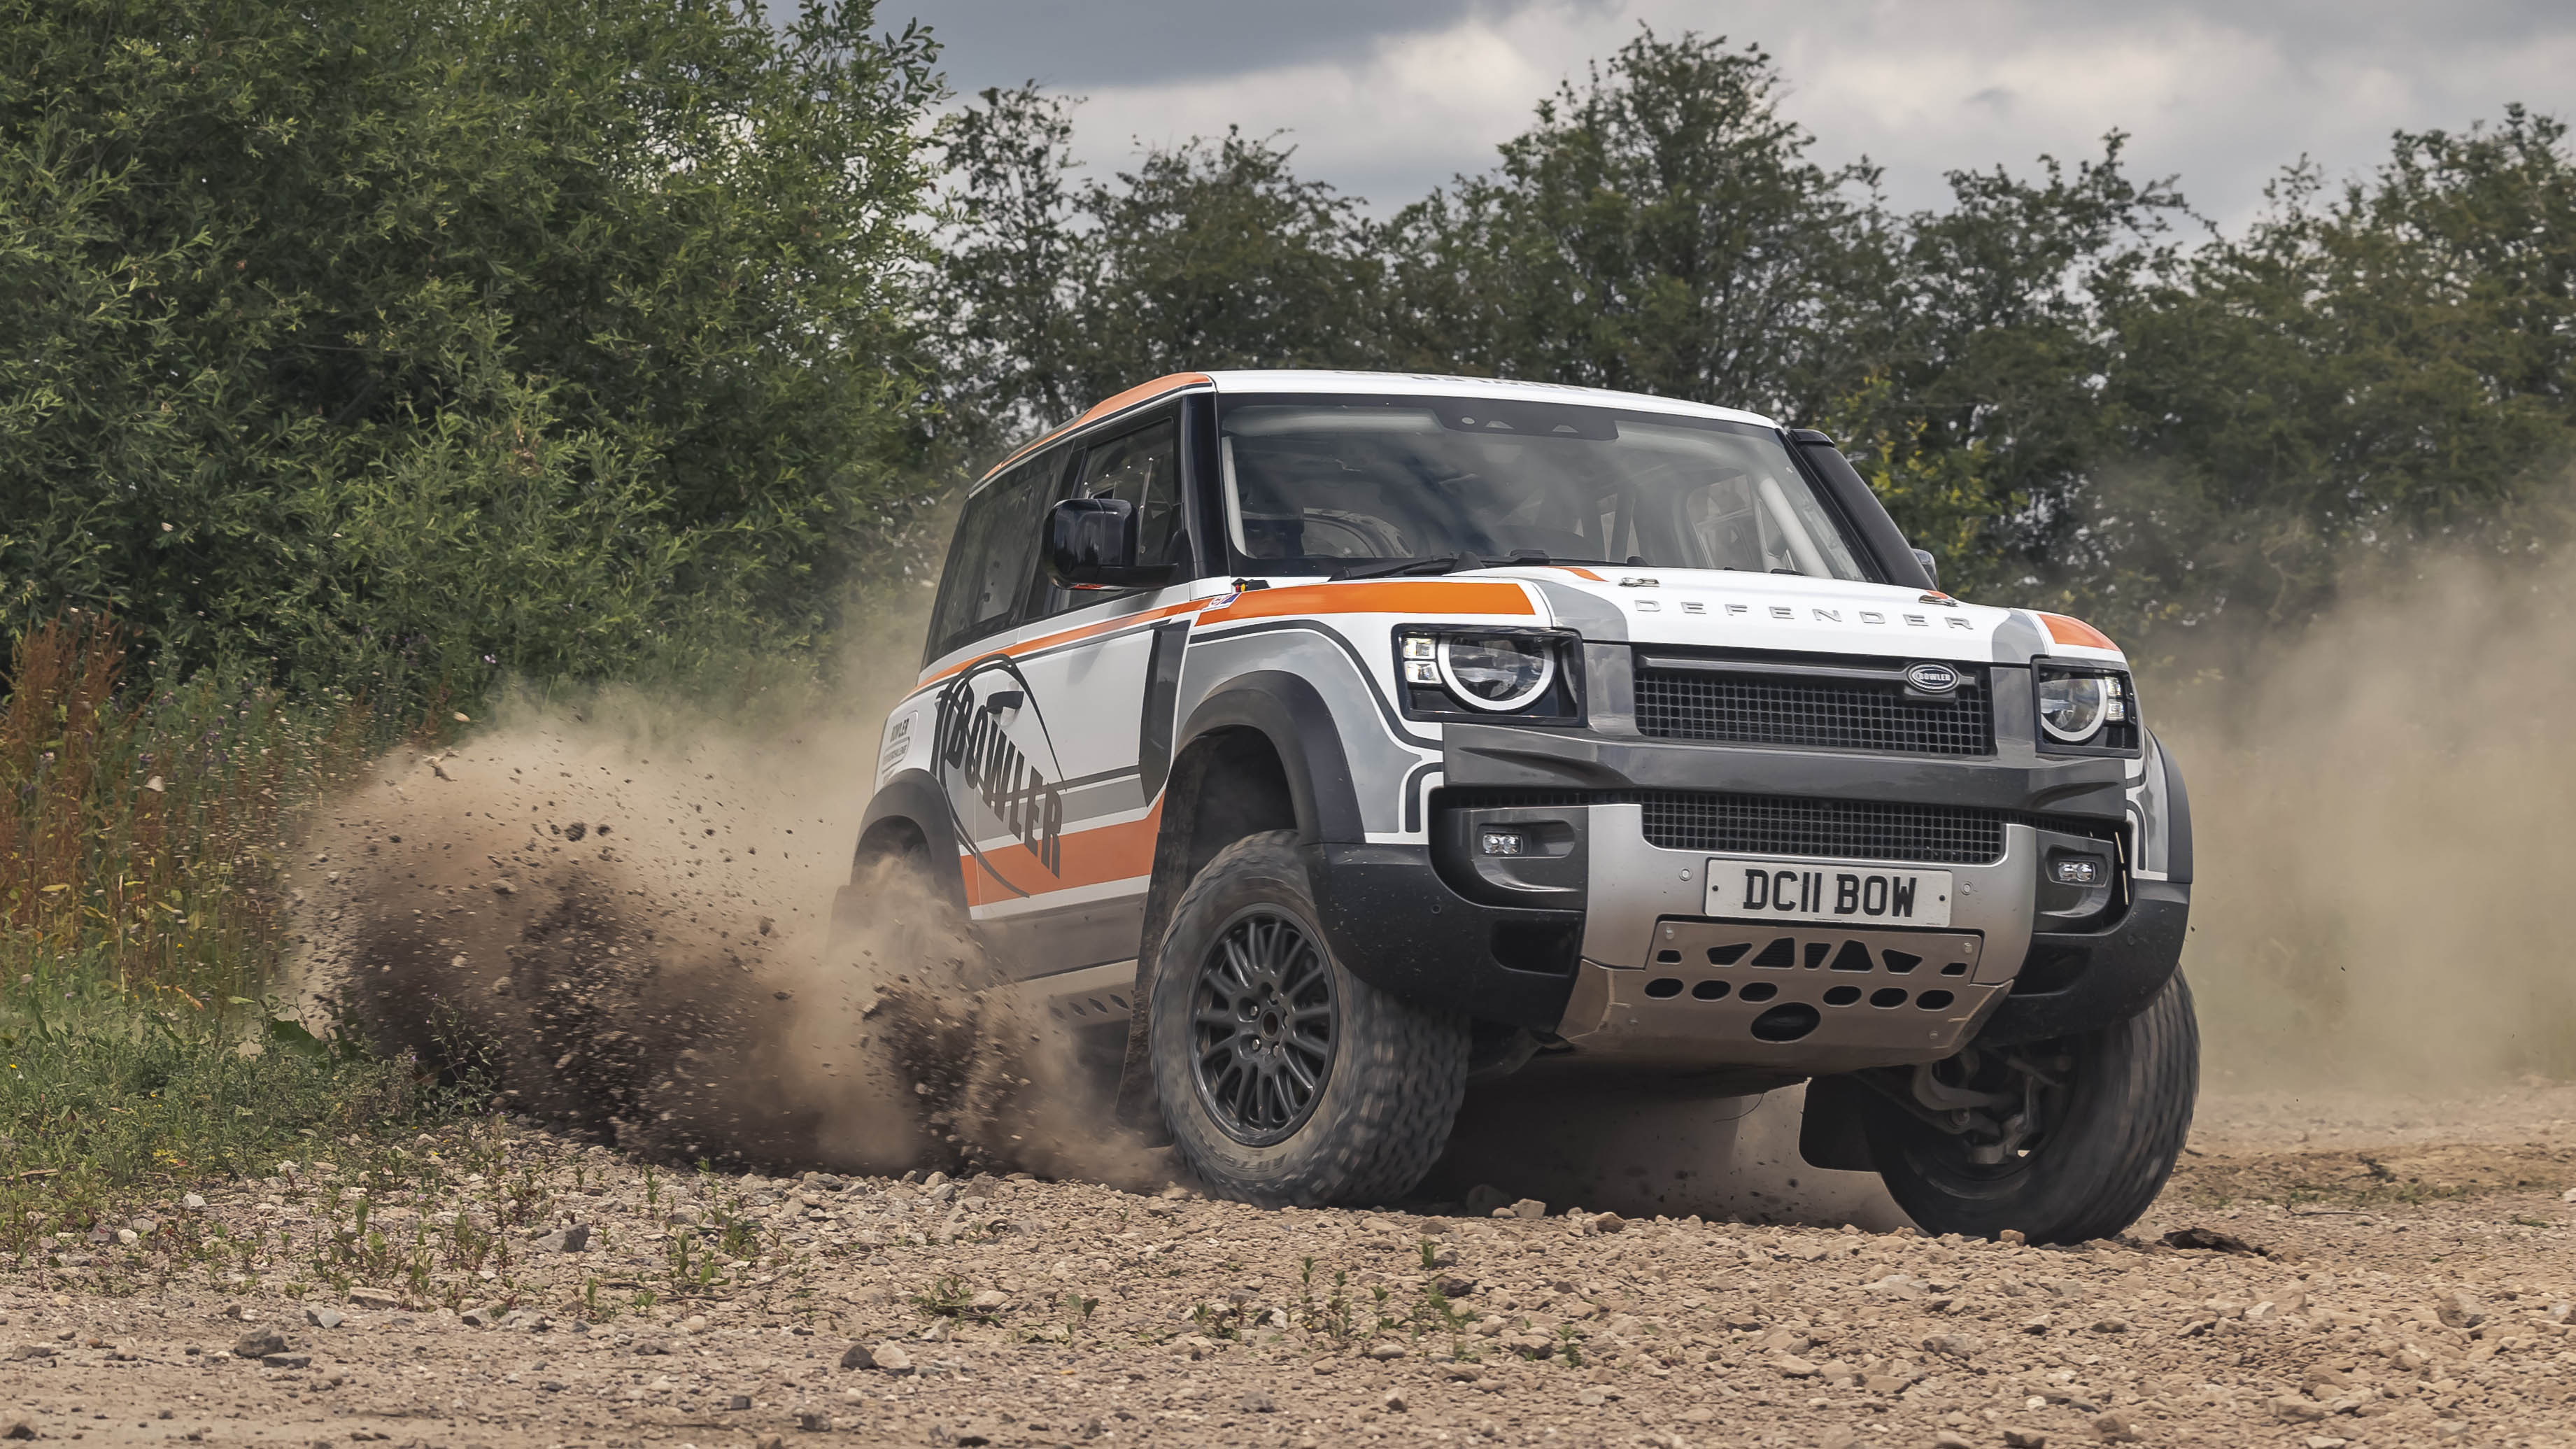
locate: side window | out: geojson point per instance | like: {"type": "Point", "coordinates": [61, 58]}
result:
{"type": "Point", "coordinates": [1143, 467]}
{"type": "Point", "coordinates": [997, 545]}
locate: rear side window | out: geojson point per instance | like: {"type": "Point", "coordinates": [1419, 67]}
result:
{"type": "Point", "coordinates": [996, 549]}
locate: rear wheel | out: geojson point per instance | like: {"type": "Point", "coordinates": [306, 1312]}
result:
{"type": "Point", "coordinates": [2065, 1140]}
{"type": "Point", "coordinates": [1285, 1078]}
{"type": "Point", "coordinates": [896, 917]}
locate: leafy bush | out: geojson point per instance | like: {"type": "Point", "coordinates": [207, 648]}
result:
{"type": "Point", "coordinates": [389, 346]}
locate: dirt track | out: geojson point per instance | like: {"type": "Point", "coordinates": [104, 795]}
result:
{"type": "Point", "coordinates": [2411, 1287]}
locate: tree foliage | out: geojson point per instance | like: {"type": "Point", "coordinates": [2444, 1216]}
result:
{"type": "Point", "coordinates": [407, 343]}
{"type": "Point", "coordinates": [1659, 229]}
{"type": "Point", "coordinates": [2360, 374]}
{"type": "Point", "coordinates": [1053, 293]}
{"type": "Point", "coordinates": [422, 339]}
{"type": "Point", "coordinates": [2072, 389]}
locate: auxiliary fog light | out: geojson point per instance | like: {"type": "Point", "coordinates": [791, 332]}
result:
{"type": "Point", "coordinates": [2078, 872]}
{"type": "Point", "coordinates": [1501, 842]}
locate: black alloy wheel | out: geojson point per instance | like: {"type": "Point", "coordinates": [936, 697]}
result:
{"type": "Point", "coordinates": [1264, 1025]}
{"type": "Point", "coordinates": [1286, 1077]}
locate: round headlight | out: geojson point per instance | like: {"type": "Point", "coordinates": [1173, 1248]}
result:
{"type": "Point", "coordinates": [1496, 671]}
{"type": "Point", "coordinates": [2072, 707]}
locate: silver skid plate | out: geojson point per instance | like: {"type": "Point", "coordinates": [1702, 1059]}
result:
{"type": "Point", "coordinates": [1804, 998]}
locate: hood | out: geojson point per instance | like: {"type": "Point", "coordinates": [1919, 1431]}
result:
{"type": "Point", "coordinates": [1724, 608]}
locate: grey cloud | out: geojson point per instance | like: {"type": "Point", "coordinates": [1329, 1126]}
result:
{"type": "Point", "coordinates": [1141, 42]}
{"type": "Point", "coordinates": [2220, 93]}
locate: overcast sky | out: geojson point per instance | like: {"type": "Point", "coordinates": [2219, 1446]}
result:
{"type": "Point", "coordinates": [1388, 98]}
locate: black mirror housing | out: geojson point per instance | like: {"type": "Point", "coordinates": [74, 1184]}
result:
{"type": "Point", "coordinates": [1931, 565]}
{"type": "Point", "coordinates": [1091, 544]}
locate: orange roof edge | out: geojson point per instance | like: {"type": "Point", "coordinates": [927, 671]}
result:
{"type": "Point", "coordinates": [1142, 392]}
{"type": "Point", "coordinates": [2066, 630]}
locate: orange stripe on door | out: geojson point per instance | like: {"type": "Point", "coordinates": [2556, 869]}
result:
{"type": "Point", "coordinates": [1089, 857]}
{"type": "Point", "coordinates": [1066, 636]}
{"type": "Point", "coordinates": [1412, 596]}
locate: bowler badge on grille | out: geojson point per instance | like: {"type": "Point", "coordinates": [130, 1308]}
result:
{"type": "Point", "coordinates": [1932, 678]}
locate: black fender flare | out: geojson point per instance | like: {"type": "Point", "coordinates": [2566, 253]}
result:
{"type": "Point", "coordinates": [1290, 712]}
{"type": "Point", "coordinates": [2178, 861]}
{"type": "Point", "coordinates": [913, 798]}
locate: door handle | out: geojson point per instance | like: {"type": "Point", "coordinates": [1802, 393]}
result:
{"type": "Point", "coordinates": [1003, 700]}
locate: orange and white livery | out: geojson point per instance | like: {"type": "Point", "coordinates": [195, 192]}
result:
{"type": "Point", "coordinates": [1266, 715]}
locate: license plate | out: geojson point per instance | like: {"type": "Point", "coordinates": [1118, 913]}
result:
{"type": "Point", "coordinates": [1744, 887]}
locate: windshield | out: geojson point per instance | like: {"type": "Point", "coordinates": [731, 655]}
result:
{"type": "Point", "coordinates": [1334, 485]}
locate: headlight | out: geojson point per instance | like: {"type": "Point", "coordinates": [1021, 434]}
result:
{"type": "Point", "coordinates": [1495, 671]}
{"type": "Point", "coordinates": [2075, 707]}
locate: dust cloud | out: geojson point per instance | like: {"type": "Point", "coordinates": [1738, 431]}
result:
{"type": "Point", "coordinates": [621, 916]}
{"type": "Point", "coordinates": [621, 912]}
{"type": "Point", "coordinates": [2382, 814]}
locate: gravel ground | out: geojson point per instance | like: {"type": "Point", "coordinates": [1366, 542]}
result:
{"type": "Point", "coordinates": [2384, 1273]}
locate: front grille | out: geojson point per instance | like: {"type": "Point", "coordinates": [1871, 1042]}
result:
{"type": "Point", "coordinates": [1833, 829]}
{"type": "Point", "coordinates": [1777, 825]}
{"type": "Point", "coordinates": [1814, 713]}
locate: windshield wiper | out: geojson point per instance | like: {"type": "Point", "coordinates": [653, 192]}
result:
{"type": "Point", "coordinates": [1445, 564]}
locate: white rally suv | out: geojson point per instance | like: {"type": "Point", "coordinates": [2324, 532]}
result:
{"type": "Point", "coordinates": [1324, 742]}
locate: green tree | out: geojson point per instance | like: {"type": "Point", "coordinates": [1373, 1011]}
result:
{"type": "Point", "coordinates": [397, 337]}
{"type": "Point", "coordinates": [1011, 267]}
{"type": "Point", "coordinates": [1210, 254]}
{"type": "Point", "coordinates": [1659, 229]}
{"type": "Point", "coordinates": [1217, 254]}
{"type": "Point", "coordinates": [1978, 412]}
{"type": "Point", "coordinates": [2361, 374]}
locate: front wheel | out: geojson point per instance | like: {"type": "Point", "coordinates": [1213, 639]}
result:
{"type": "Point", "coordinates": [2066, 1140]}
{"type": "Point", "coordinates": [1286, 1079]}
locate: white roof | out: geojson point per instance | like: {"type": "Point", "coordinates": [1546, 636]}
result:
{"type": "Point", "coordinates": [1411, 383]}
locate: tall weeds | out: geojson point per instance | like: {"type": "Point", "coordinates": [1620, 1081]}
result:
{"type": "Point", "coordinates": [143, 923]}
{"type": "Point", "coordinates": [142, 832]}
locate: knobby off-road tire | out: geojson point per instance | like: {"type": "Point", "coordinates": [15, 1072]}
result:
{"type": "Point", "coordinates": [2108, 1142]}
{"type": "Point", "coordinates": [1284, 1078]}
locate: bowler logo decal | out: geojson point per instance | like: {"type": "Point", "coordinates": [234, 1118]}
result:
{"type": "Point", "coordinates": [974, 751]}
{"type": "Point", "coordinates": [1933, 678]}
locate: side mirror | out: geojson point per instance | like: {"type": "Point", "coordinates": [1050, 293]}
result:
{"type": "Point", "coordinates": [1091, 544]}
{"type": "Point", "coordinates": [1931, 565]}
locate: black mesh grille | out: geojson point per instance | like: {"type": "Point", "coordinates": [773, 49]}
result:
{"type": "Point", "coordinates": [1775, 825]}
{"type": "Point", "coordinates": [1814, 713]}
{"type": "Point", "coordinates": [1833, 829]}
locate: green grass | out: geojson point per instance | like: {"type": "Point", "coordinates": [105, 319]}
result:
{"type": "Point", "coordinates": [142, 927]}
{"type": "Point", "coordinates": [105, 1106]}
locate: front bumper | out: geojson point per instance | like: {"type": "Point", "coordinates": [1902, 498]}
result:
{"type": "Point", "coordinates": [1822, 998]}
{"type": "Point", "coordinates": [1597, 937]}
